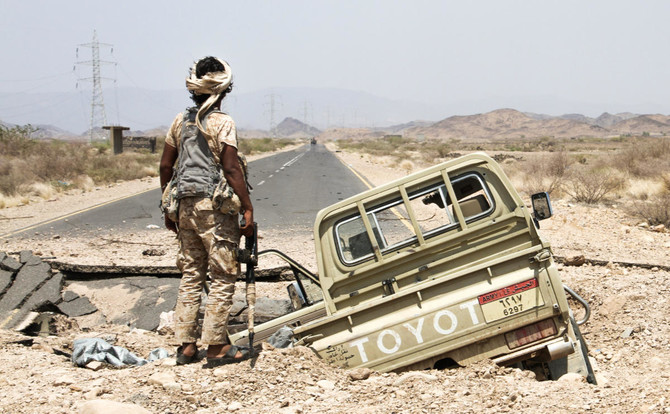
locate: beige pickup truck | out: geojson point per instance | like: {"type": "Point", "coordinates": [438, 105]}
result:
{"type": "Point", "coordinates": [436, 270]}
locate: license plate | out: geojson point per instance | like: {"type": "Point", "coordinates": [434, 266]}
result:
{"type": "Point", "coordinates": [511, 300]}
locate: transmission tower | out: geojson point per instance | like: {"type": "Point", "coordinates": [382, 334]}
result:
{"type": "Point", "coordinates": [98, 115]}
{"type": "Point", "coordinates": [272, 111]}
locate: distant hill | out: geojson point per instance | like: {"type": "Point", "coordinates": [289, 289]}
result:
{"type": "Point", "coordinates": [504, 123]}
{"type": "Point", "coordinates": [292, 128]}
{"type": "Point", "coordinates": [499, 124]}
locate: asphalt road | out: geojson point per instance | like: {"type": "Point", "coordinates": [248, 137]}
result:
{"type": "Point", "coordinates": [289, 189]}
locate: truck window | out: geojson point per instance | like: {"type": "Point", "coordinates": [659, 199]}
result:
{"type": "Point", "coordinates": [392, 226]}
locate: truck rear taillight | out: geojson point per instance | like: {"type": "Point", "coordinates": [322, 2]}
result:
{"type": "Point", "coordinates": [530, 333]}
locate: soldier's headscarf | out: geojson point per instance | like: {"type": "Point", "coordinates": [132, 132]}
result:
{"type": "Point", "coordinates": [211, 83]}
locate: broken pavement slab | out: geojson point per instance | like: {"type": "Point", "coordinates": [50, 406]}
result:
{"type": "Point", "coordinates": [26, 281]}
{"type": "Point", "coordinates": [26, 288]}
{"type": "Point", "coordinates": [28, 258]}
{"type": "Point", "coordinates": [5, 280]}
{"type": "Point", "coordinates": [9, 263]}
{"type": "Point", "coordinates": [74, 305]}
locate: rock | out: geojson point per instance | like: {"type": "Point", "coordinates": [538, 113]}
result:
{"type": "Point", "coordinates": [220, 372]}
{"type": "Point", "coordinates": [575, 260]}
{"type": "Point", "coordinates": [312, 390]}
{"type": "Point", "coordinates": [612, 305]}
{"type": "Point", "coordinates": [110, 407]}
{"type": "Point", "coordinates": [360, 374]}
{"type": "Point", "coordinates": [234, 406]}
{"type": "Point", "coordinates": [659, 228]}
{"type": "Point", "coordinates": [602, 380]}
{"type": "Point", "coordinates": [153, 252]}
{"type": "Point", "coordinates": [414, 376]}
{"type": "Point", "coordinates": [63, 380]}
{"type": "Point", "coordinates": [94, 393]}
{"type": "Point", "coordinates": [94, 365]}
{"type": "Point", "coordinates": [283, 338]}
{"type": "Point", "coordinates": [626, 332]}
{"type": "Point", "coordinates": [172, 386]}
{"type": "Point", "coordinates": [571, 377]}
{"type": "Point", "coordinates": [162, 378]}
{"type": "Point", "coordinates": [325, 384]}
{"type": "Point", "coordinates": [169, 362]}
{"type": "Point", "coordinates": [166, 321]}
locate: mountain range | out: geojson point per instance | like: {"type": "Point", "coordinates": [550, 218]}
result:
{"type": "Point", "coordinates": [307, 112]}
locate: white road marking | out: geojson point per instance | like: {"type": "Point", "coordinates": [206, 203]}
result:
{"type": "Point", "coordinates": [288, 164]}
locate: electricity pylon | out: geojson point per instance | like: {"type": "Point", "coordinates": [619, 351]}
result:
{"type": "Point", "coordinates": [98, 115]}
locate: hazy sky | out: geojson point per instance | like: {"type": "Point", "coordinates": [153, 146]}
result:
{"type": "Point", "coordinates": [601, 55]}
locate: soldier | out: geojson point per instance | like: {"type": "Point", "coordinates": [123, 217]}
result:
{"type": "Point", "coordinates": [203, 141]}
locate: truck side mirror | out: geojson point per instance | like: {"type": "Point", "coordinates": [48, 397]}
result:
{"type": "Point", "coordinates": [541, 206]}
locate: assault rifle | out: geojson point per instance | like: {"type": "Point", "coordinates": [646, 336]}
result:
{"type": "Point", "coordinates": [249, 256]}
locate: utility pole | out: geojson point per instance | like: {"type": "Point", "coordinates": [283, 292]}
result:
{"type": "Point", "coordinates": [98, 115]}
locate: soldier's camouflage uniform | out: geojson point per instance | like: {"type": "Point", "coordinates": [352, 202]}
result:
{"type": "Point", "coordinates": [208, 242]}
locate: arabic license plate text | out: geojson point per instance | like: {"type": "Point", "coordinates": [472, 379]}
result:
{"type": "Point", "coordinates": [511, 300]}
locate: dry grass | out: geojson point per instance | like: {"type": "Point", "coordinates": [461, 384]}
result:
{"type": "Point", "coordinates": [34, 168]}
{"type": "Point", "coordinates": [250, 146]}
{"type": "Point", "coordinates": [634, 171]}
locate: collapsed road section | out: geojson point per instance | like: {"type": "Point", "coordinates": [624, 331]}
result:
{"type": "Point", "coordinates": [32, 289]}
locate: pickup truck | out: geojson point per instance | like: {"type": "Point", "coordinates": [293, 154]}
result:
{"type": "Point", "coordinates": [439, 269]}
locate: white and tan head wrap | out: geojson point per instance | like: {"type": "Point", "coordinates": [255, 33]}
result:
{"type": "Point", "coordinates": [213, 84]}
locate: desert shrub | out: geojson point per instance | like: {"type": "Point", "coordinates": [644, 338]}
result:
{"type": "Point", "coordinates": [655, 210]}
{"type": "Point", "coordinates": [250, 146]}
{"type": "Point", "coordinates": [592, 185]}
{"type": "Point", "coordinates": [666, 182]}
{"type": "Point", "coordinates": [16, 141]}
{"type": "Point", "coordinates": [28, 165]}
{"type": "Point", "coordinates": [389, 145]}
{"type": "Point", "coordinates": [647, 157]}
{"type": "Point", "coordinates": [546, 173]}
{"type": "Point", "coordinates": [14, 173]}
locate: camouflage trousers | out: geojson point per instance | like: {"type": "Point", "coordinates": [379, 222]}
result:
{"type": "Point", "coordinates": [208, 242]}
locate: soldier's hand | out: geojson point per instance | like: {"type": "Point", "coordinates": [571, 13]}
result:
{"type": "Point", "coordinates": [170, 225]}
{"type": "Point", "coordinates": [247, 225]}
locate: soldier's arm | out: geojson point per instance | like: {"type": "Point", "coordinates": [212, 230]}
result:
{"type": "Point", "coordinates": [166, 166]}
{"type": "Point", "coordinates": [235, 177]}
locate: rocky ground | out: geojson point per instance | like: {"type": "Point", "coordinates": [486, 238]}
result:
{"type": "Point", "coordinates": [628, 336]}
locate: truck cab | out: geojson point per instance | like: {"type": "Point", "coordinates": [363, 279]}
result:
{"type": "Point", "coordinates": [438, 269]}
